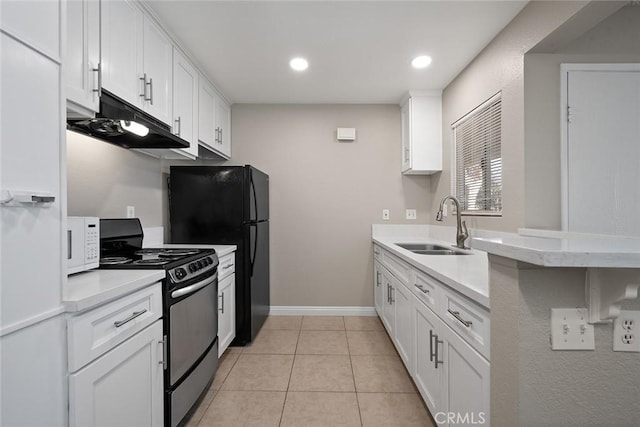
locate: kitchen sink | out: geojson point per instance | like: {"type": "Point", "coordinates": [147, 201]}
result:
{"type": "Point", "coordinates": [430, 249]}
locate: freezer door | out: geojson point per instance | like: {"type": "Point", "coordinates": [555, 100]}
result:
{"type": "Point", "coordinates": [259, 275]}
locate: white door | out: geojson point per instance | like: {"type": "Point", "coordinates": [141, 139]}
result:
{"type": "Point", "coordinates": [121, 41]}
{"type": "Point", "coordinates": [427, 376]}
{"type": "Point", "coordinates": [466, 388]}
{"type": "Point", "coordinates": [404, 323]}
{"type": "Point", "coordinates": [122, 388]}
{"type": "Point", "coordinates": [81, 72]}
{"type": "Point", "coordinates": [378, 288]}
{"type": "Point", "coordinates": [603, 152]}
{"type": "Point", "coordinates": [185, 102]}
{"type": "Point", "coordinates": [206, 114]}
{"type": "Point", "coordinates": [226, 312]}
{"type": "Point", "coordinates": [158, 66]}
{"type": "Point", "coordinates": [388, 312]}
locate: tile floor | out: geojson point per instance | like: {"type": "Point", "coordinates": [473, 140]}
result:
{"type": "Point", "coordinates": [313, 371]}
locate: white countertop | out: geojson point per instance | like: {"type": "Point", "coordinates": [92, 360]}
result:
{"type": "Point", "coordinates": [221, 250]}
{"type": "Point", "coordinates": [95, 287]}
{"type": "Point", "coordinates": [467, 274]}
{"type": "Point", "coordinates": [605, 252]}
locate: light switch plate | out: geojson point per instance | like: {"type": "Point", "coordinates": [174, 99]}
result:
{"type": "Point", "coordinates": [570, 330]}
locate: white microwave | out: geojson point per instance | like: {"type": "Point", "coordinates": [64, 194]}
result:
{"type": "Point", "coordinates": [83, 243]}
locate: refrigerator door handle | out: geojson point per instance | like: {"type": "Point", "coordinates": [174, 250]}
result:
{"type": "Point", "coordinates": [255, 248]}
{"type": "Point", "coordinates": [255, 200]}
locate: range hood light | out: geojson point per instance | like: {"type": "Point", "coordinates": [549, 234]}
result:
{"type": "Point", "coordinates": [134, 128]}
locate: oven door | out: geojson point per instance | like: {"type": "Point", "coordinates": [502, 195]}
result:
{"type": "Point", "coordinates": [193, 324]}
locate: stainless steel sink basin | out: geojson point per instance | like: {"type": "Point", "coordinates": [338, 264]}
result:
{"type": "Point", "coordinates": [422, 247]}
{"type": "Point", "coordinates": [430, 249]}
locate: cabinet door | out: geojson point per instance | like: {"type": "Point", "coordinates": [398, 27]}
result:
{"type": "Point", "coordinates": [226, 312]}
{"type": "Point", "coordinates": [185, 102]}
{"type": "Point", "coordinates": [405, 113]}
{"type": "Point", "coordinates": [122, 60]}
{"type": "Point", "coordinates": [466, 385]}
{"type": "Point", "coordinates": [388, 314]}
{"type": "Point", "coordinates": [427, 376]}
{"type": "Point", "coordinates": [123, 387]}
{"type": "Point", "coordinates": [206, 114]}
{"type": "Point", "coordinates": [403, 323]}
{"type": "Point", "coordinates": [81, 64]}
{"type": "Point", "coordinates": [158, 66]}
{"type": "Point", "coordinates": [378, 293]}
{"type": "Point", "coordinates": [223, 127]}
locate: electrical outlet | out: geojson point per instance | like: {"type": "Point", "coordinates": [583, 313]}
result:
{"type": "Point", "coordinates": [385, 214]}
{"type": "Point", "coordinates": [410, 214]}
{"type": "Point", "coordinates": [625, 331]}
{"type": "Point", "coordinates": [131, 212]}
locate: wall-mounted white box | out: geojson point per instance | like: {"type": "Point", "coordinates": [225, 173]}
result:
{"type": "Point", "coordinates": [346, 134]}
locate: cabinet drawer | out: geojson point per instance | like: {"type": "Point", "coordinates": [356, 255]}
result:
{"type": "Point", "coordinates": [427, 289]}
{"type": "Point", "coordinates": [396, 266]}
{"type": "Point", "coordinates": [468, 319]}
{"type": "Point", "coordinates": [227, 265]}
{"type": "Point", "coordinates": [94, 333]}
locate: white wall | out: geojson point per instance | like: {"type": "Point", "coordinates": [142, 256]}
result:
{"type": "Point", "coordinates": [326, 194]}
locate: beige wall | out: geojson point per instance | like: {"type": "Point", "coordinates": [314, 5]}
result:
{"type": "Point", "coordinates": [326, 194]}
{"type": "Point", "coordinates": [103, 179]}
{"type": "Point", "coordinates": [500, 67]}
{"type": "Point", "coordinates": [614, 40]}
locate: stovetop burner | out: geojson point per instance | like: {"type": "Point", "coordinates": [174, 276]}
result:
{"type": "Point", "coordinates": [167, 253]}
{"type": "Point", "coordinates": [152, 261]}
{"type": "Point", "coordinates": [114, 260]}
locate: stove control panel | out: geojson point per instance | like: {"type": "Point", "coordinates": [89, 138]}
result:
{"type": "Point", "coordinates": [194, 268]}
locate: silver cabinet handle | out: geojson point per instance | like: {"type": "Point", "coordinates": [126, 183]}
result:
{"type": "Point", "coordinates": [163, 342]}
{"type": "Point", "coordinates": [377, 278]}
{"type": "Point", "coordinates": [130, 318]}
{"type": "Point", "coordinates": [143, 95]}
{"type": "Point", "coordinates": [227, 266]}
{"type": "Point", "coordinates": [98, 70]}
{"type": "Point", "coordinates": [431, 335]}
{"type": "Point", "coordinates": [422, 289]}
{"type": "Point", "coordinates": [376, 252]}
{"type": "Point", "coordinates": [456, 314]}
{"type": "Point", "coordinates": [221, 309]}
{"type": "Point", "coordinates": [179, 126]}
{"type": "Point", "coordinates": [435, 353]}
{"type": "Point", "coordinates": [150, 91]}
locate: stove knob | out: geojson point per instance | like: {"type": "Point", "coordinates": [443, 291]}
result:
{"type": "Point", "coordinates": [193, 267]}
{"type": "Point", "coordinates": [199, 264]}
{"type": "Point", "coordinates": [180, 273]}
{"type": "Point", "coordinates": [208, 261]}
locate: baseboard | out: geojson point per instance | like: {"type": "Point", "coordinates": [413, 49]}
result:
{"type": "Point", "coordinates": [289, 310]}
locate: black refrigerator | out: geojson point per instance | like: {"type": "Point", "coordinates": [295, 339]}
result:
{"type": "Point", "coordinates": [228, 205]}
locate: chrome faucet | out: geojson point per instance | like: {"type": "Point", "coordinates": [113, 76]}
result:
{"type": "Point", "coordinates": [461, 230]}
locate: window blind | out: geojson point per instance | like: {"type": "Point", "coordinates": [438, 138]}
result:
{"type": "Point", "coordinates": [478, 176]}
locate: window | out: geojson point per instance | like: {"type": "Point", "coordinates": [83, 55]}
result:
{"type": "Point", "coordinates": [478, 161]}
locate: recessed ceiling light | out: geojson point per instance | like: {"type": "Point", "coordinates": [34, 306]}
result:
{"type": "Point", "coordinates": [299, 64]}
{"type": "Point", "coordinates": [422, 61]}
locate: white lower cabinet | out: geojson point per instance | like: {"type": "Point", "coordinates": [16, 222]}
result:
{"type": "Point", "coordinates": [443, 339]}
{"type": "Point", "coordinates": [116, 360]}
{"type": "Point", "coordinates": [226, 302]}
{"type": "Point", "coordinates": [123, 387]}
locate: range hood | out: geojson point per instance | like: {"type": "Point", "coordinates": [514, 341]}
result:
{"type": "Point", "coordinates": [120, 123]}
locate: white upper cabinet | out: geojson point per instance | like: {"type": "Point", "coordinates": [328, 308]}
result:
{"type": "Point", "coordinates": [82, 59]}
{"type": "Point", "coordinates": [34, 23]}
{"type": "Point", "coordinates": [421, 114]}
{"type": "Point", "coordinates": [185, 102]}
{"type": "Point", "coordinates": [214, 128]}
{"type": "Point", "coordinates": [122, 60]}
{"type": "Point", "coordinates": [137, 59]}
{"type": "Point", "coordinates": [158, 66]}
{"type": "Point", "coordinates": [206, 114]}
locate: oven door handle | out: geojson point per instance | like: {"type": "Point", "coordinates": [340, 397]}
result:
{"type": "Point", "coordinates": [196, 286]}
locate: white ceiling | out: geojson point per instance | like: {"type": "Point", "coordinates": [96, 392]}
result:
{"type": "Point", "coordinates": [358, 51]}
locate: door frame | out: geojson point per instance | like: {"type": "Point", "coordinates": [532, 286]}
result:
{"type": "Point", "coordinates": [565, 69]}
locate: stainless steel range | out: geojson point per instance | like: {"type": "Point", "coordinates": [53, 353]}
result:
{"type": "Point", "coordinates": [190, 309]}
